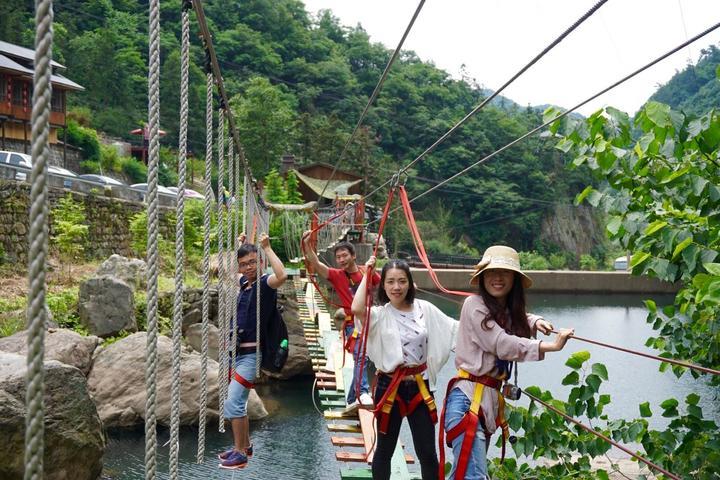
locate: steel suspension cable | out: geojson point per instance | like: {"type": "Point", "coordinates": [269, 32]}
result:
{"type": "Point", "coordinates": [600, 435]}
{"type": "Point", "coordinates": [486, 101]}
{"type": "Point", "coordinates": [202, 420]}
{"type": "Point", "coordinates": [222, 326]}
{"type": "Point", "coordinates": [374, 95]}
{"type": "Point", "coordinates": [179, 243]}
{"type": "Point", "coordinates": [38, 244]}
{"type": "Point", "coordinates": [152, 255]}
{"type": "Point", "coordinates": [563, 114]}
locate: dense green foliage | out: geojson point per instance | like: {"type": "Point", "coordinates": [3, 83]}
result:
{"type": "Point", "coordinates": [695, 90]}
{"type": "Point", "coordinates": [298, 85]}
{"type": "Point", "coordinates": [69, 229]}
{"type": "Point", "coordinates": [661, 190]}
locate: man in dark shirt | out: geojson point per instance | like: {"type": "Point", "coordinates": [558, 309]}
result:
{"type": "Point", "coordinates": [244, 372]}
{"type": "Point", "coordinates": [345, 280]}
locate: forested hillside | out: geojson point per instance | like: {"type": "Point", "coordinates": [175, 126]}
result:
{"type": "Point", "coordinates": [298, 85]}
{"type": "Point", "coordinates": [696, 89]}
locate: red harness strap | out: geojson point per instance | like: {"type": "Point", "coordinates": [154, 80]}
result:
{"type": "Point", "coordinates": [242, 381]}
{"type": "Point", "coordinates": [469, 422]}
{"type": "Point", "coordinates": [389, 398]}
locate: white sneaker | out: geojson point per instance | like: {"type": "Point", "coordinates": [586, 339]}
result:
{"type": "Point", "coordinates": [366, 400]}
{"type": "Point", "coordinates": [351, 408]}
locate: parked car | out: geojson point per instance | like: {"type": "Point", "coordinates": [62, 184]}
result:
{"type": "Point", "coordinates": [621, 263]}
{"type": "Point", "coordinates": [24, 160]}
{"type": "Point", "coordinates": [189, 193]}
{"type": "Point", "coordinates": [142, 187]}
{"type": "Point", "coordinates": [102, 180]}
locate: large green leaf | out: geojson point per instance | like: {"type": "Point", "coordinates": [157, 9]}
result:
{"type": "Point", "coordinates": [572, 378]}
{"type": "Point", "coordinates": [681, 246]}
{"type": "Point", "coordinates": [645, 410]}
{"type": "Point", "coordinates": [577, 359]}
{"type": "Point", "coordinates": [600, 370]}
{"type": "Point", "coordinates": [639, 258]}
{"type": "Point", "coordinates": [655, 226]}
{"type": "Point", "coordinates": [712, 268]}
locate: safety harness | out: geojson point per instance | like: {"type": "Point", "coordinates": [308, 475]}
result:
{"type": "Point", "coordinates": [469, 422]}
{"type": "Point", "coordinates": [389, 398]}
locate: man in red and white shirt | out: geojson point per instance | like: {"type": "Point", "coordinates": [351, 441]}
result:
{"type": "Point", "coordinates": [345, 280]}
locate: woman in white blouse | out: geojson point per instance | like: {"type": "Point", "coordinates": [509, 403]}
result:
{"type": "Point", "coordinates": [409, 340]}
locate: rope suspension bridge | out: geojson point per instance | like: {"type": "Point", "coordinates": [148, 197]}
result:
{"type": "Point", "coordinates": [251, 214]}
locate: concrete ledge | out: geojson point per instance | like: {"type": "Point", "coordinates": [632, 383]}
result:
{"type": "Point", "coordinates": [565, 281]}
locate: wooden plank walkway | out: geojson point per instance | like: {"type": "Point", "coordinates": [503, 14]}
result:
{"type": "Point", "coordinates": [353, 434]}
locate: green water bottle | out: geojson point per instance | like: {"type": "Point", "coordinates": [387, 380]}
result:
{"type": "Point", "coordinates": [281, 355]}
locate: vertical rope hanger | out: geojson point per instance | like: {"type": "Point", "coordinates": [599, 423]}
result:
{"type": "Point", "coordinates": [222, 326]}
{"type": "Point", "coordinates": [152, 255]}
{"type": "Point", "coordinates": [38, 237]}
{"type": "Point", "coordinates": [259, 263]}
{"type": "Point", "coordinates": [179, 244]}
{"type": "Point", "coordinates": [231, 277]}
{"type": "Point", "coordinates": [202, 421]}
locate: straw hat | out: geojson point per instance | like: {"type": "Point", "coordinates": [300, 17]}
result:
{"type": "Point", "coordinates": [500, 257]}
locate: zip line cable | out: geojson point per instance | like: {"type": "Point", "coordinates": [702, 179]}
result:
{"type": "Point", "coordinates": [374, 95]}
{"type": "Point", "coordinates": [497, 92]}
{"type": "Point", "coordinates": [563, 114]}
{"type": "Point", "coordinates": [600, 435]}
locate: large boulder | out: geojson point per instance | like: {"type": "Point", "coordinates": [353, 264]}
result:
{"type": "Point", "coordinates": [117, 384]}
{"type": "Point", "coordinates": [130, 270]}
{"type": "Point", "coordinates": [61, 344]}
{"type": "Point", "coordinates": [193, 336]}
{"type": "Point", "coordinates": [106, 306]}
{"type": "Point", "coordinates": [74, 439]}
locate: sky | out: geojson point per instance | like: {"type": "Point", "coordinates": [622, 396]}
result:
{"type": "Point", "coordinates": [494, 39]}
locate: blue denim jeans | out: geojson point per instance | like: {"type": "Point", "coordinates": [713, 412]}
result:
{"type": "Point", "coordinates": [352, 395]}
{"type": "Point", "coordinates": [456, 406]}
{"type": "Point", "coordinates": [236, 403]}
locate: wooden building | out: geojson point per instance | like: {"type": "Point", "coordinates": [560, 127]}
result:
{"type": "Point", "coordinates": [16, 85]}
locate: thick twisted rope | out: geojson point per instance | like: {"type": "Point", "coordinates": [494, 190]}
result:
{"type": "Point", "coordinates": [206, 267]}
{"type": "Point", "coordinates": [258, 284]}
{"type": "Point", "coordinates": [222, 388]}
{"type": "Point", "coordinates": [38, 236]}
{"type": "Point", "coordinates": [179, 248]}
{"type": "Point", "coordinates": [231, 279]}
{"type": "Point", "coordinates": [152, 254]}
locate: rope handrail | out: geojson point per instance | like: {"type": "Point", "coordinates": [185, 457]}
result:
{"type": "Point", "coordinates": [563, 114]}
{"type": "Point", "coordinates": [374, 95]}
{"type": "Point", "coordinates": [487, 100]}
{"type": "Point", "coordinates": [600, 435]}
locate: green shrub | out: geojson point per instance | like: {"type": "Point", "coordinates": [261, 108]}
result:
{"type": "Point", "coordinates": [588, 262]}
{"type": "Point", "coordinates": [64, 308]}
{"type": "Point", "coordinates": [84, 138]}
{"type": "Point", "coordinates": [558, 261]}
{"type": "Point", "coordinates": [70, 232]}
{"type": "Point", "coordinates": [89, 166]}
{"type": "Point", "coordinates": [533, 261]}
{"type": "Point", "coordinates": [134, 169]}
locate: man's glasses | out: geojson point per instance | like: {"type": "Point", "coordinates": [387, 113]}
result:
{"type": "Point", "coordinates": [249, 263]}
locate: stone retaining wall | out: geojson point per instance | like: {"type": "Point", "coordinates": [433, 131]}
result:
{"type": "Point", "coordinates": [108, 220]}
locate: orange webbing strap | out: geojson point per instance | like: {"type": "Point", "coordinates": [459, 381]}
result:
{"type": "Point", "coordinates": [242, 381]}
{"type": "Point", "coordinates": [254, 229]}
{"type": "Point", "coordinates": [368, 296]}
{"type": "Point", "coordinates": [419, 246]}
{"type": "Point", "coordinates": [385, 405]}
{"type": "Point", "coordinates": [469, 423]}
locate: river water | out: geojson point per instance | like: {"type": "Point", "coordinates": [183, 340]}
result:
{"type": "Point", "coordinates": [293, 443]}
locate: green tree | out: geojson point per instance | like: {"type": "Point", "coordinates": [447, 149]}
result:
{"type": "Point", "coordinates": [292, 188]}
{"type": "Point", "coordinates": [265, 117]}
{"type": "Point", "coordinates": [275, 190]}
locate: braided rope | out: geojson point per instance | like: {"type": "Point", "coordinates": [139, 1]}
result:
{"type": "Point", "coordinates": [222, 390]}
{"type": "Point", "coordinates": [152, 254]}
{"type": "Point", "coordinates": [245, 211]}
{"type": "Point", "coordinates": [231, 258]}
{"type": "Point", "coordinates": [179, 249]}
{"type": "Point", "coordinates": [206, 267]}
{"type": "Point", "coordinates": [257, 296]}
{"type": "Point", "coordinates": [36, 312]}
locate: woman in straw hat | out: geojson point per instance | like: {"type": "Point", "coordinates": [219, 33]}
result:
{"type": "Point", "coordinates": [494, 332]}
{"type": "Point", "coordinates": [409, 340]}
